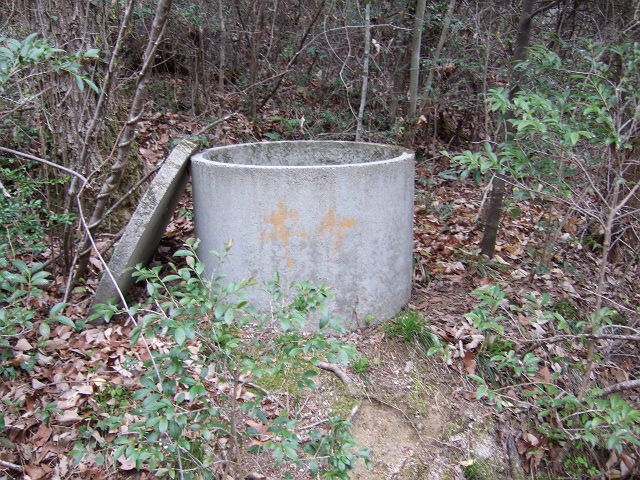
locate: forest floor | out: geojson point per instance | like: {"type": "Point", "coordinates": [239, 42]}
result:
{"type": "Point", "coordinates": [418, 414]}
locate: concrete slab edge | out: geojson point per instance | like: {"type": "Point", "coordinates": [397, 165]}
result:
{"type": "Point", "coordinates": [148, 223]}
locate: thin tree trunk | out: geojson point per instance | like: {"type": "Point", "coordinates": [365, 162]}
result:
{"type": "Point", "coordinates": [365, 70]}
{"type": "Point", "coordinates": [496, 202]}
{"type": "Point", "coordinates": [294, 59]}
{"type": "Point", "coordinates": [223, 48]}
{"type": "Point", "coordinates": [90, 134]}
{"type": "Point", "coordinates": [414, 70]}
{"type": "Point", "coordinates": [492, 216]}
{"type": "Point", "coordinates": [256, 43]}
{"type": "Point", "coordinates": [443, 37]}
{"type": "Point", "coordinates": [128, 133]}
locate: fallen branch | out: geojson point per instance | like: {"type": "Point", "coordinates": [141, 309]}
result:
{"type": "Point", "coordinates": [341, 374]}
{"type": "Point", "coordinates": [11, 466]}
{"type": "Point", "coordinates": [314, 424]}
{"type": "Point", "coordinates": [618, 387]}
{"type": "Point", "coordinates": [267, 393]}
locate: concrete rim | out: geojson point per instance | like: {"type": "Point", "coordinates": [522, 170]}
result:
{"type": "Point", "coordinates": [406, 153]}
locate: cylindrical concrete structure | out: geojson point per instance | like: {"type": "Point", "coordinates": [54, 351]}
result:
{"type": "Point", "coordinates": [338, 213]}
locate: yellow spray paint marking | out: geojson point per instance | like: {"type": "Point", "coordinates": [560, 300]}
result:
{"type": "Point", "coordinates": [284, 224]}
{"type": "Point", "coordinates": [339, 225]}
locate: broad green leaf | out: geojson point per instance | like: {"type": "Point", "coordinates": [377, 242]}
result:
{"type": "Point", "coordinates": [65, 321]}
{"type": "Point", "coordinates": [179, 336]}
{"type": "Point", "coordinates": [57, 308]}
{"type": "Point", "coordinates": [92, 85]}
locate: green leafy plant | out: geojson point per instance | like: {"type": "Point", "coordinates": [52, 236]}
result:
{"type": "Point", "coordinates": [113, 399]}
{"type": "Point", "coordinates": [561, 414]}
{"type": "Point", "coordinates": [332, 456]}
{"type": "Point", "coordinates": [23, 212]}
{"type": "Point", "coordinates": [406, 325]}
{"type": "Point", "coordinates": [177, 413]}
{"type": "Point", "coordinates": [487, 316]}
{"type": "Point", "coordinates": [18, 56]}
{"type": "Point", "coordinates": [411, 328]}
{"type": "Point", "coordinates": [360, 365]}
{"type": "Point", "coordinates": [21, 287]}
{"type": "Point", "coordinates": [285, 127]}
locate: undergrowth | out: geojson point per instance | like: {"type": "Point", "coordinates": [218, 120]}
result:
{"type": "Point", "coordinates": [528, 377]}
{"type": "Point", "coordinates": [194, 415]}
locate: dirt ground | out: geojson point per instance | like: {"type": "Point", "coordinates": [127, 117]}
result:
{"type": "Point", "coordinates": [419, 416]}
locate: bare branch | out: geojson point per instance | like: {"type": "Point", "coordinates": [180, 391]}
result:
{"type": "Point", "coordinates": [341, 374]}
{"type": "Point", "coordinates": [11, 466]}
{"type": "Point", "coordinates": [546, 7]}
{"type": "Point", "coordinates": [46, 162]}
{"type": "Point", "coordinates": [618, 387]}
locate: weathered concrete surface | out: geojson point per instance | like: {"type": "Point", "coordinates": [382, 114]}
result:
{"type": "Point", "coordinates": [339, 213]}
{"type": "Point", "coordinates": [147, 225]}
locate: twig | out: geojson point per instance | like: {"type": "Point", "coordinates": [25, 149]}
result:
{"type": "Point", "coordinates": [46, 162]}
{"type": "Point", "coordinates": [293, 59]}
{"type": "Point", "coordinates": [128, 193]}
{"type": "Point", "coordinates": [314, 424]}
{"type": "Point", "coordinates": [4, 191]}
{"type": "Point", "coordinates": [11, 466]}
{"type": "Point", "coordinates": [618, 305]}
{"type": "Point", "coordinates": [618, 387]}
{"type": "Point", "coordinates": [484, 200]}
{"type": "Point", "coordinates": [257, 387]}
{"type": "Point", "coordinates": [341, 374]}
{"type": "Point", "coordinates": [544, 8]}
{"type": "Point", "coordinates": [593, 336]}
{"type": "Point", "coordinates": [120, 295]}
{"type": "Point", "coordinates": [213, 124]}
{"type": "Point", "coordinates": [267, 393]}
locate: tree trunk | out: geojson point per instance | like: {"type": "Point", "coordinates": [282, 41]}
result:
{"type": "Point", "coordinates": [93, 127]}
{"type": "Point", "coordinates": [414, 70]}
{"type": "Point", "coordinates": [365, 69]}
{"type": "Point", "coordinates": [443, 37]}
{"type": "Point", "coordinates": [127, 137]}
{"type": "Point", "coordinates": [492, 217]}
{"type": "Point", "coordinates": [223, 48]}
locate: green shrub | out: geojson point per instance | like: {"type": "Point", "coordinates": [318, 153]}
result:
{"type": "Point", "coordinates": [561, 415]}
{"type": "Point", "coordinates": [23, 213]}
{"type": "Point", "coordinates": [202, 325]}
{"type": "Point", "coordinates": [20, 285]}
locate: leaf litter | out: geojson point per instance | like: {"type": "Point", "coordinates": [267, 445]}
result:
{"type": "Point", "coordinates": [439, 427]}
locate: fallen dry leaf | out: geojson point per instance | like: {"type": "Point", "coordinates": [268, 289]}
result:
{"type": "Point", "coordinates": [476, 341]}
{"type": "Point", "coordinates": [22, 345]}
{"type": "Point", "coordinates": [36, 472]}
{"type": "Point", "coordinates": [470, 362]}
{"type": "Point", "coordinates": [42, 435]}
{"type": "Point", "coordinates": [69, 417]}
{"type": "Point", "coordinates": [544, 374]}
{"type": "Point", "coordinates": [37, 384]}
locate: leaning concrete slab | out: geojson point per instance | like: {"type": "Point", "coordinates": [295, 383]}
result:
{"type": "Point", "coordinates": [147, 225]}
